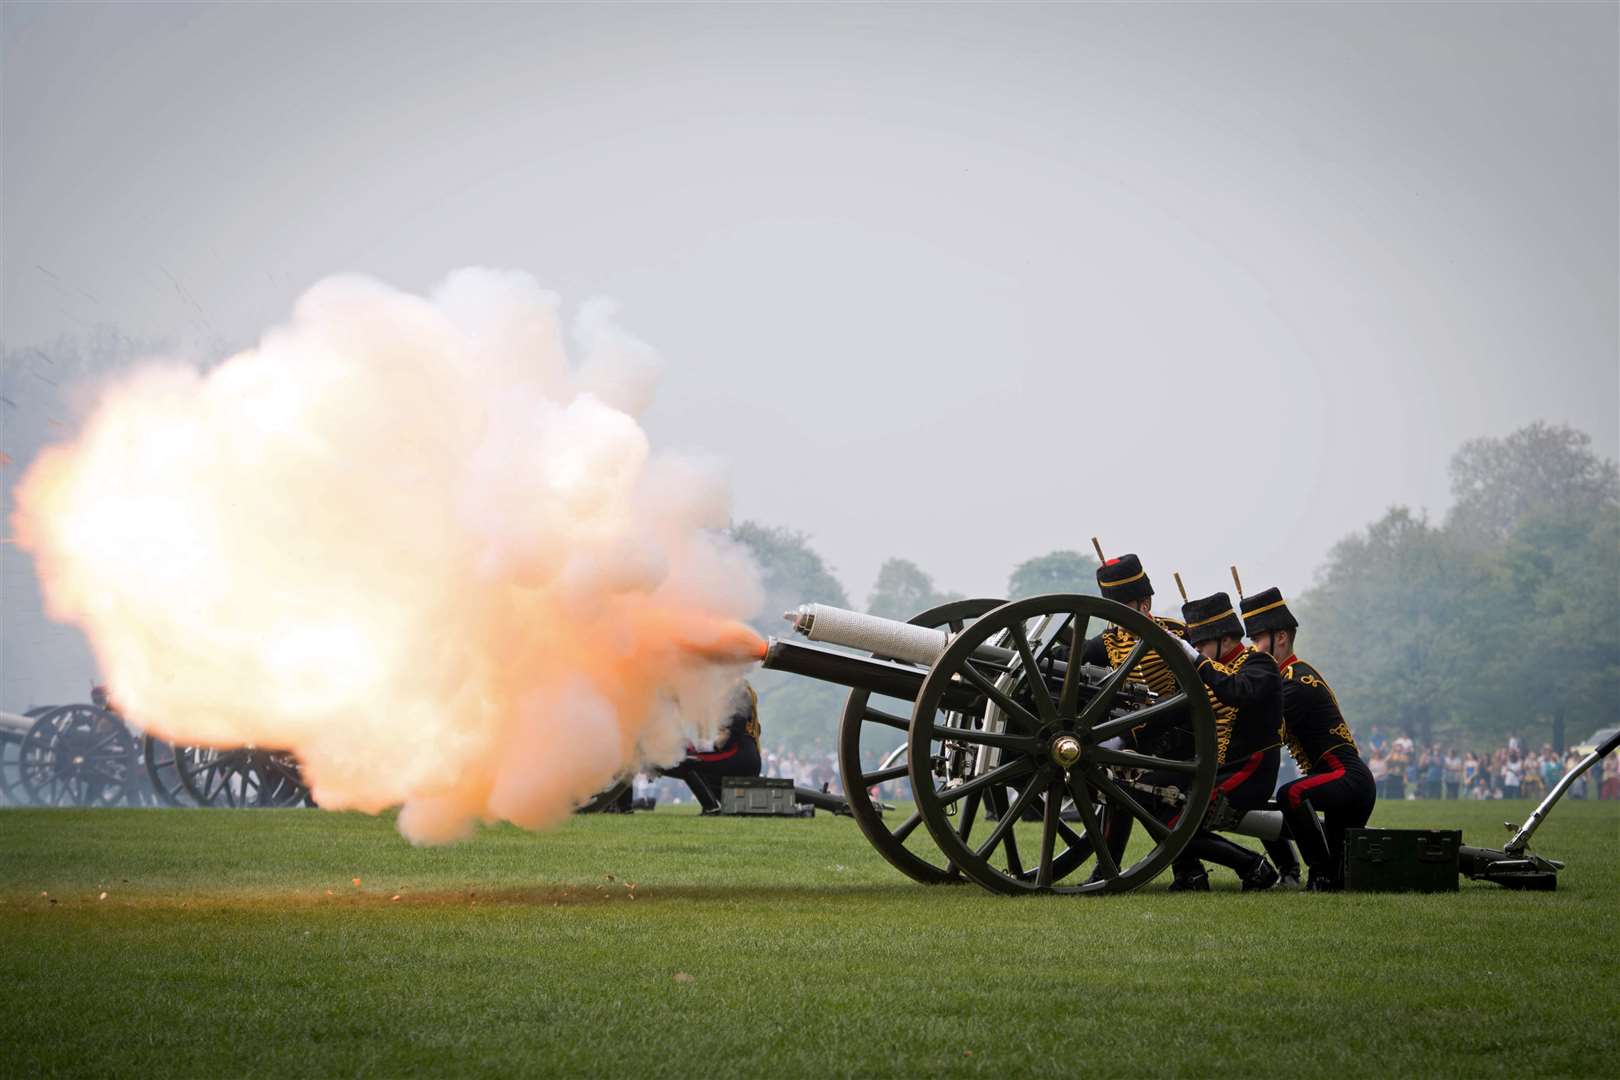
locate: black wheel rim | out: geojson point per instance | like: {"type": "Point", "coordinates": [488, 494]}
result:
{"type": "Point", "coordinates": [163, 772]}
{"type": "Point", "coordinates": [896, 837]}
{"type": "Point", "coordinates": [1019, 769]}
{"type": "Point", "coordinates": [76, 755]}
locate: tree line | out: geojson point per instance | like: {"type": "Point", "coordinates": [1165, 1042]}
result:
{"type": "Point", "coordinates": [1501, 618]}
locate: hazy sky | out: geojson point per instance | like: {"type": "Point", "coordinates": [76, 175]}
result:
{"type": "Point", "coordinates": [959, 283]}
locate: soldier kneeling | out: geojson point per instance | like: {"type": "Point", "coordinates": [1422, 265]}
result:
{"type": "Point", "coordinates": [1333, 778]}
{"type": "Point", "coordinates": [735, 753]}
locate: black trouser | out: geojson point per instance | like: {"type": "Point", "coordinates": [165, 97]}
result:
{"type": "Point", "coordinates": [703, 772]}
{"type": "Point", "coordinates": [1342, 788]}
{"type": "Point", "coordinates": [1247, 784]}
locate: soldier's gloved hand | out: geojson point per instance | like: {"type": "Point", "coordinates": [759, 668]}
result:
{"type": "Point", "coordinates": [1192, 654]}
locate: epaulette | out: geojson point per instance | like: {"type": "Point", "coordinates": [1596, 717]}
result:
{"type": "Point", "coordinates": [1175, 626]}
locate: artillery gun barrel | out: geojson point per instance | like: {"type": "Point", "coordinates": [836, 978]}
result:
{"type": "Point", "coordinates": [857, 672]}
{"type": "Point", "coordinates": [882, 637]}
{"type": "Point", "coordinates": [15, 723]}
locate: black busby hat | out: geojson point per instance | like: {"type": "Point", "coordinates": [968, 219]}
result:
{"type": "Point", "coordinates": [1211, 617]}
{"type": "Point", "coordinates": [1123, 580]}
{"type": "Point", "coordinates": [1266, 610]}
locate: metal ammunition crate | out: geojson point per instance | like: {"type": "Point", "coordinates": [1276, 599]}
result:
{"type": "Point", "coordinates": [1401, 860]}
{"type": "Point", "coordinates": [759, 796]}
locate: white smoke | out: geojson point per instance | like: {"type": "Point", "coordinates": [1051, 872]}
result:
{"type": "Point", "coordinates": [411, 540]}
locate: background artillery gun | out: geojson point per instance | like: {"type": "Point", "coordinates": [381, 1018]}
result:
{"type": "Point", "coordinates": [88, 755]}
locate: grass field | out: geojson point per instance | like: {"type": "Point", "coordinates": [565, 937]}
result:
{"type": "Point", "coordinates": [661, 944]}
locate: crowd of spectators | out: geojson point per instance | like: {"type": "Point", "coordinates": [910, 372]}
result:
{"type": "Point", "coordinates": [1404, 770]}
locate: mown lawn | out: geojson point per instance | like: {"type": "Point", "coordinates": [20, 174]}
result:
{"type": "Point", "coordinates": [661, 944]}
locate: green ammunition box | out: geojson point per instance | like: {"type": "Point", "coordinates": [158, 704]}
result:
{"type": "Point", "coordinates": [758, 796]}
{"type": "Point", "coordinates": [1401, 860]}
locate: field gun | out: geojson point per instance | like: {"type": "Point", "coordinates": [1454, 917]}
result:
{"type": "Point", "coordinates": [1008, 745]}
{"type": "Point", "coordinates": [86, 754]}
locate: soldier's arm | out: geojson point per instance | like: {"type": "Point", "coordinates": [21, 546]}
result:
{"type": "Point", "coordinates": [1256, 680]}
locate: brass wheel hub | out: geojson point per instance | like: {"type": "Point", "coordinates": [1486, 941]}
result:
{"type": "Point", "coordinates": [1066, 750]}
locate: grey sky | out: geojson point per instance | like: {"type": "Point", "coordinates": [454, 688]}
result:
{"type": "Point", "coordinates": [957, 283]}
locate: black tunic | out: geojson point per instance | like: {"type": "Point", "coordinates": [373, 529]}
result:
{"type": "Point", "coordinates": [1312, 722]}
{"type": "Point", "coordinates": [1252, 685]}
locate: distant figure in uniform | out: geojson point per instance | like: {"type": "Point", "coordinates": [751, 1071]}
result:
{"type": "Point", "coordinates": [735, 753]}
{"type": "Point", "coordinates": [1333, 777]}
{"type": "Point", "coordinates": [1248, 738]}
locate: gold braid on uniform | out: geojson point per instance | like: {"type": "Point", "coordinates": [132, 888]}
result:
{"type": "Point", "coordinates": [1153, 671]}
{"type": "Point", "coordinates": [1341, 729]}
{"type": "Point", "coordinates": [1225, 715]}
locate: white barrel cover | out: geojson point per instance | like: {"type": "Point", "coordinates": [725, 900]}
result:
{"type": "Point", "coordinates": [884, 637]}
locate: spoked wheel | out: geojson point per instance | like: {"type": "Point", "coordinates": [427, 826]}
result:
{"type": "Point", "coordinates": [892, 835]}
{"type": "Point", "coordinates": [163, 772]}
{"type": "Point", "coordinates": [1053, 738]}
{"type": "Point", "coordinates": [11, 789]}
{"type": "Point", "coordinates": [77, 755]}
{"type": "Point", "coordinates": [244, 776]}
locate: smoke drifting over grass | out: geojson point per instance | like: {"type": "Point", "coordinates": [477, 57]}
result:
{"type": "Point", "coordinates": [413, 541]}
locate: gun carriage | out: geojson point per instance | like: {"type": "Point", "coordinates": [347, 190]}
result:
{"type": "Point", "coordinates": [88, 755]}
{"type": "Point", "coordinates": [1016, 755]}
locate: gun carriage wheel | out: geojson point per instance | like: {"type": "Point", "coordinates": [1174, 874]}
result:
{"type": "Point", "coordinates": [890, 836]}
{"type": "Point", "coordinates": [1046, 739]}
{"type": "Point", "coordinates": [76, 755]}
{"type": "Point", "coordinates": [243, 776]}
{"type": "Point", "coordinates": [162, 761]}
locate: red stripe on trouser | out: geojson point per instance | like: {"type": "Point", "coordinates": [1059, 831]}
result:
{"type": "Point", "coordinates": [717, 755]}
{"type": "Point", "coordinates": [1297, 790]}
{"type": "Point", "coordinates": [1235, 781]}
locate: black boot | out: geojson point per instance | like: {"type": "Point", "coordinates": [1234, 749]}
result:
{"type": "Point", "coordinates": [1251, 868]}
{"type": "Point", "coordinates": [1281, 854]}
{"type": "Point", "coordinates": [1190, 876]}
{"type": "Point", "coordinates": [1312, 841]}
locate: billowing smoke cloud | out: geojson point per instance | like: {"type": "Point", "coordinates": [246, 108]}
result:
{"type": "Point", "coordinates": [411, 540]}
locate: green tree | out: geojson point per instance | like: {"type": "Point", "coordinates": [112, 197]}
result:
{"type": "Point", "coordinates": [792, 572]}
{"type": "Point", "coordinates": [903, 590]}
{"type": "Point", "coordinates": [795, 713]}
{"type": "Point", "coordinates": [1501, 621]}
{"type": "Point", "coordinates": [1386, 623]}
{"type": "Point", "coordinates": [1055, 572]}
{"type": "Point", "coordinates": [1542, 468]}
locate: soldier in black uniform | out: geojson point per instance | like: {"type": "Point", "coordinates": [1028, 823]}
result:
{"type": "Point", "coordinates": [1248, 734]}
{"type": "Point", "coordinates": [1333, 777]}
{"type": "Point", "coordinates": [735, 753]}
{"type": "Point", "coordinates": [1124, 581]}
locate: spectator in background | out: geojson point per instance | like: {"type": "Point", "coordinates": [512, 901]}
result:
{"type": "Point", "coordinates": [1377, 741]}
{"type": "Point", "coordinates": [1577, 790]}
{"type": "Point", "coordinates": [1470, 771]}
{"type": "Point", "coordinates": [1378, 765]}
{"type": "Point", "coordinates": [1454, 773]}
{"type": "Point", "coordinates": [1512, 771]}
{"type": "Point", "coordinates": [1398, 760]}
{"type": "Point", "coordinates": [1551, 771]}
{"type": "Point", "coordinates": [1610, 788]}
{"type": "Point", "coordinates": [1531, 787]}
{"type": "Point", "coordinates": [1434, 773]}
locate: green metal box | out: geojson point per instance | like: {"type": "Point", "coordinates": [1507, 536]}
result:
{"type": "Point", "coordinates": [1401, 860]}
{"type": "Point", "coordinates": [761, 796]}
